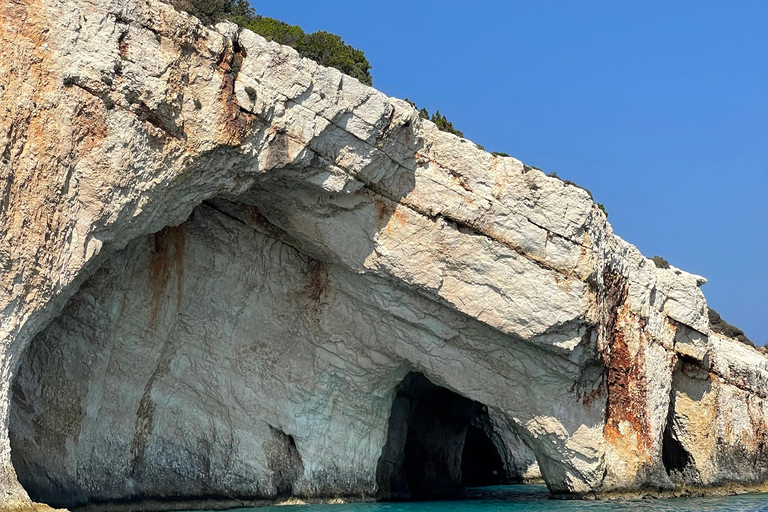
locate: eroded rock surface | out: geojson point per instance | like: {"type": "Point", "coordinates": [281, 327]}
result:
{"type": "Point", "coordinates": [220, 260]}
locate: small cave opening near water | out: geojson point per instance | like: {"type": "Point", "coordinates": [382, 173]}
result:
{"type": "Point", "coordinates": [674, 456]}
{"type": "Point", "coordinates": [438, 444]}
{"type": "Point", "coordinates": [481, 464]}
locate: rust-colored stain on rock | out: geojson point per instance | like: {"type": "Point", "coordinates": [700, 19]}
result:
{"type": "Point", "coordinates": [384, 209]}
{"type": "Point", "coordinates": [317, 288]}
{"type": "Point", "coordinates": [626, 426]}
{"type": "Point", "coordinates": [237, 122]}
{"type": "Point", "coordinates": [167, 254]}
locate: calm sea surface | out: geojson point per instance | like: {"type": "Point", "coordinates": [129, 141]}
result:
{"type": "Point", "coordinates": [534, 498]}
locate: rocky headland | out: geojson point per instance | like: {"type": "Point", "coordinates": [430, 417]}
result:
{"type": "Point", "coordinates": [229, 273]}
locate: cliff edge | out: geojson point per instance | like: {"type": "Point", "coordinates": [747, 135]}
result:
{"type": "Point", "coordinates": [227, 272]}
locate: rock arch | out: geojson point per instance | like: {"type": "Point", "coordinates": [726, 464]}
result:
{"type": "Point", "coordinates": [499, 282]}
{"type": "Point", "coordinates": [214, 360]}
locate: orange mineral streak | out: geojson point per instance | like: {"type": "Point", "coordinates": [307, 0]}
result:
{"type": "Point", "coordinates": [316, 290]}
{"type": "Point", "coordinates": [400, 217]}
{"type": "Point", "coordinates": [89, 128]}
{"type": "Point", "coordinates": [593, 396]}
{"type": "Point", "coordinates": [35, 177]}
{"type": "Point", "coordinates": [384, 209]}
{"type": "Point", "coordinates": [166, 256]}
{"type": "Point", "coordinates": [627, 426]}
{"type": "Point", "coordinates": [236, 122]}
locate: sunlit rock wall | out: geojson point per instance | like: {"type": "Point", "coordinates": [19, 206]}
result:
{"type": "Point", "coordinates": [404, 248]}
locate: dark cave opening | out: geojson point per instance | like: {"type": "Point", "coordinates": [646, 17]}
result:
{"type": "Point", "coordinates": [481, 464]}
{"type": "Point", "coordinates": [284, 460]}
{"type": "Point", "coordinates": [673, 455]}
{"type": "Point", "coordinates": [437, 445]}
{"type": "Point", "coordinates": [692, 381]}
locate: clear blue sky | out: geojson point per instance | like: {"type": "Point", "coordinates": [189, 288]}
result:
{"type": "Point", "coordinates": [659, 108]}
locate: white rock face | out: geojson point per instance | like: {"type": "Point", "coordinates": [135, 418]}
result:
{"type": "Point", "coordinates": [338, 242]}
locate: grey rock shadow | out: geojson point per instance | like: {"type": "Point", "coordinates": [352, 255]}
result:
{"type": "Point", "coordinates": [332, 199]}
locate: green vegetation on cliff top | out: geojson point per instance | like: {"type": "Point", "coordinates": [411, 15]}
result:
{"type": "Point", "coordinates": [719, 325]}
{"type": "Point", "coordinates": [325, 48]}
{"type": "Point", "coordinates": [442, 123]}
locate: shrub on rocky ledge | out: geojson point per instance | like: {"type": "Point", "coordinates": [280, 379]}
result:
{"type": "Point", "coordinates": [660, 262]}
{"type": "Point", "coordinates": [323, 47]}
{"type": "Point", "coordinates": [717, 324]}
{"type": "Point", "coordinates": [442, 123]}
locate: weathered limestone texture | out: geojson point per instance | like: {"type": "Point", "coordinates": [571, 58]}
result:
{"type": "Point", "coordinates": [219, 261]}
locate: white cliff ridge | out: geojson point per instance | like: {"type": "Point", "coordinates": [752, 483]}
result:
{"type": "Point", "coordinates": [229, 272]}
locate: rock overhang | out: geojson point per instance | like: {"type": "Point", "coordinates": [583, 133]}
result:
{"type": "Point", "coordinates": [351, 178]}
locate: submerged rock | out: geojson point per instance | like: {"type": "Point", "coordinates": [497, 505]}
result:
{"type": "Point", "coordinates": [224, 267]}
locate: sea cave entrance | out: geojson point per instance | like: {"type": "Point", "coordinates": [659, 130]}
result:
{"type": "Point", "coordinates": [438, 444]}
{"type": "Point", "coordinates": [481, 464]}
{"type": "Point", "coordinates": [132, 393]}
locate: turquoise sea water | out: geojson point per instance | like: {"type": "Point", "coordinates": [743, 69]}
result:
{"type": "Point", "coordinates": [534, 498]}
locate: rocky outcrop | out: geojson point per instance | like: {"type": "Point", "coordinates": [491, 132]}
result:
{"type": "Point", "coordinates": [224, 267]}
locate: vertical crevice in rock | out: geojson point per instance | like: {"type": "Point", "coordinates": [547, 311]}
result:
{"type": "Point", "coordinates": [284, 460]}
{"type": "Point", "coordinates": [145, 414]}
{"type": "Point", "coordinates": [675, 457]}
{"type": "Point", "coordinates": [391, 484]}
{"type": "Point", "coordinates": [691, 383]}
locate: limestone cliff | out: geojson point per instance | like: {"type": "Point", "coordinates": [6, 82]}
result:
{"type": "Point", "coordinates": [228, 272]}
